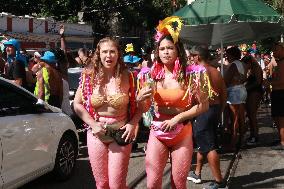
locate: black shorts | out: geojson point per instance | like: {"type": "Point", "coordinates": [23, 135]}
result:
{"type": "Point", "coordinates": [204, 129]}
{"type": "Point", "coordinates": [277, 103]}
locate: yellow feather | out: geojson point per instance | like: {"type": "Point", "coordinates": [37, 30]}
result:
{"type": "Point", "coordinates": [167, 23]}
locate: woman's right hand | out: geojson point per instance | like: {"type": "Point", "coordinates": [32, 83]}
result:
{"type": "Point", "coordinates": [97, 129]}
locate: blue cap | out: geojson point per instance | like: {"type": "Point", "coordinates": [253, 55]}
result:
{"type": "Point", "coordinates": [48, 57]}
{"type": "Point", "coordinates": [14, 42]}
{"type": "Point", "coordinates": [131, 59]}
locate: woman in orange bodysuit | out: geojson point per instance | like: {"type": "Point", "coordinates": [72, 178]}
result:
{"type": "Point", "coordinates": [102, 102]}
{"type": "Point", "coordinates": [175, 86]}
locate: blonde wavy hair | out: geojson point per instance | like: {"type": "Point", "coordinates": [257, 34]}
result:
{"type": "Point", "coordinates": [96, 59]}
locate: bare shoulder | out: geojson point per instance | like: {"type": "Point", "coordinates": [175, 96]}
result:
{"type": "Point", "coordinates": [125, 77]}
{"type": "Point", "coordinates": [213, 72]}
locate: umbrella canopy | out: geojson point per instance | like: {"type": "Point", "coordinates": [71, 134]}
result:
{"type": "Point", "coordinates": [227, 22]}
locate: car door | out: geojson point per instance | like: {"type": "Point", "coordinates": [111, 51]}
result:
{"type": "Point", "coordinates": [25, 134]}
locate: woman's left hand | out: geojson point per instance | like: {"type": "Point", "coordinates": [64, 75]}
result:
{"type": "Point", "coordinates": [169, 125]}
{"type": "Point", "coordinates": [129, 133]}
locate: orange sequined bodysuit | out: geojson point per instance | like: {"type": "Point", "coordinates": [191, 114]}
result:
{"type": "Point", "coordinates": [173, 98]}
{"type": "Point", "coordinates": [180, 147]}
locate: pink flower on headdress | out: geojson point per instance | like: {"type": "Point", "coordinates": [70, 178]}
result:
{"type": "Point", "coordinates": [158, 36]}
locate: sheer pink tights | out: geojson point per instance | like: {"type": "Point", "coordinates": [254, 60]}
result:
{"type": "Point", "coordinates": [156, 158]}
{"type": "Point", "coordinates": [109, 163]}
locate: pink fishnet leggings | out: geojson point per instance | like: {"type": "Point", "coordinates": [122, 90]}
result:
{"type": "Point", "coordinates": [156, 158]}
{"type": "Point", "coordinates": [109, 163]}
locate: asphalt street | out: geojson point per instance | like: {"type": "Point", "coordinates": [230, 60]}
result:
{"type": "Point", "coordinates": [252, 167]}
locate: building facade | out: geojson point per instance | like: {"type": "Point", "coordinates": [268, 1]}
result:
{"type": "Point", "coordinates": [42, 33]}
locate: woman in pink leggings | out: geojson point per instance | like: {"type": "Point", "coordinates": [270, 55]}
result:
{"type": "Point", "coordinates": [176, 87]}
{"type": "Point", "coordinates": [102, 101]}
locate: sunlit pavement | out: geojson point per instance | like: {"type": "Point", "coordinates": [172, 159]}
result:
{"type": "Point", "coordinates": [252, 167]}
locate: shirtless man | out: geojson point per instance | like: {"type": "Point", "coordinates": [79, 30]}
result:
{"type": "Point", "coordinates": [205, 125]}
{"type": "Point", "coordinates": [277, 94]}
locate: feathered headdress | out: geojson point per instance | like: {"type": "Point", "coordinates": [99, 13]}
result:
{"type": "Point", "coordinates": [170, 25]}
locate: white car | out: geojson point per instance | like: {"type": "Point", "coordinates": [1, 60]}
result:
{"type": "Point", "coordinates": [73, 78]}
{"type": "Point", "coordinates": [35, 138]}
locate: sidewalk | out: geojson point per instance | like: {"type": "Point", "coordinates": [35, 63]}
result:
{"type": "Point", "coordinates": [253, 167]}
{"type": "Point", "coordinates": [260, 166]}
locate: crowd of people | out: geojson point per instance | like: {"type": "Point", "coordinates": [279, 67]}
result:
{"type": "Point", "coordinates": [183, 90]}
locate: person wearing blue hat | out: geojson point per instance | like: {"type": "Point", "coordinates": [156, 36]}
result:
{"type": "Point", "coordinates": [49, 86]}
{"type": "Point", "coordinates": [131, 60]}
{"type": "Point", "coordinates": [49, 57]}
{"type": "Point", "coordinates": [15, 66]}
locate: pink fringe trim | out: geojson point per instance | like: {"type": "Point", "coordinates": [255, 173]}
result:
{"type": "Point", "coordinates": [158, 71]}
{"type": "Point", "coordinates": [176, 69]}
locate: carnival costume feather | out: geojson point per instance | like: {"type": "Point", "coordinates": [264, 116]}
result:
{"type": "Point", "coordinates": [198, 81]}
{"type": "Point", "coordinates": [170, 25]}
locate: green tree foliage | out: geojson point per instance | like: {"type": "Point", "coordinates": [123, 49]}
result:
{"type": "Point", "coordinates": [128, 15]}
{"type": "Point", "coordinates": [138, 13]}
{"type": "Point", "coordinates": [108, 17]}
{"type": "Point", "coordinates": [277, 4]}
{"type": "Point", "coordinates": [20, 7]}
{"type": "Point", "coordinates": [58, 9]}
{"type": "Point", "coordinates": [266, 44]}
{"type": "Point", "coordinates": [142, 13]}
{"type": "Point", "coordinates": [148, 15]}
